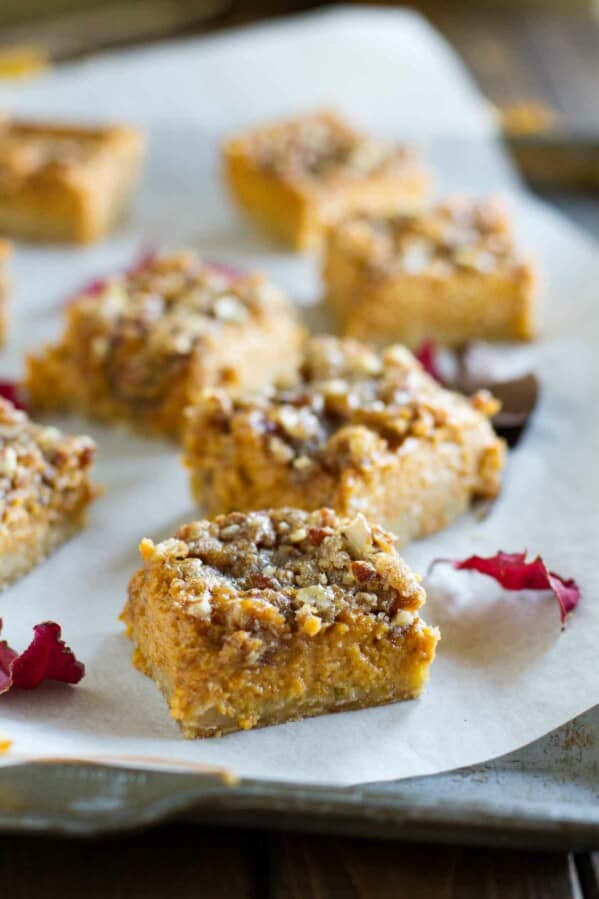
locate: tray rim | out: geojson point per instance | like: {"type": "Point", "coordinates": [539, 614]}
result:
{"type": "Point", "coordinates": [207, 798]}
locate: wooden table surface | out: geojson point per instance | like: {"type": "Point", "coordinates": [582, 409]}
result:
{"type": "Point", "coordinates": [186, 862]}
{"type": "Point", "coordinates": [542, 58]}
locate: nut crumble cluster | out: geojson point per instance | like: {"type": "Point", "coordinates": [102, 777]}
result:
{"type": "Point", "coordinates": [351, 406]}
{"type": "Point", "coordinates": [322, 146]}
{"type": "Point", "coordinates": [285, 570]}
{"type": "Point", "coordinates": [44, 490]}
{"type": "Point", "coordinates": [456, 235]}
{"type": "Point", "coordinates": [165, 307]}
{"type": "Point", "coordinates": [37, 463]}
{"type": "Point", "coordinates": [27, 152]}
{"type": "Point", "coordinates": [141, 344]}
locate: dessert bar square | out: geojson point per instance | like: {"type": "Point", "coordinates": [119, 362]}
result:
{"type": "Point", "coordinates": [451, 273]}
{"type": "Point", "coordinates": [296, 176]}
{"type": "Point", "coordinates": [5, 252]}
{"type": "Point", "coordinates": [45, 490]}
{"type": "Point", "coordinates": [139, 346]}
{"type": "Point", "coordinates": [65, 182]}
{"type": "Point", "coordinates": [256, 619]}
{"type": "Point", "coordinates": [358, 431]}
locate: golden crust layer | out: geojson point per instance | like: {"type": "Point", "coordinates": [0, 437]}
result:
{"type": "Point", "coordinates": [63, 182]}
{"type": "Point", "coordinates": [359, 432]}
{"type": "Point", "coordinates": [452, 273]}
{"type": "Point", "coordinates": [296, 176]}
{"type": "Point", "coordinates": [141, 346]}
{"type": "Point", "coordinates": [44, 490]}
{"type": "Point", "coordinates": [249, 620]}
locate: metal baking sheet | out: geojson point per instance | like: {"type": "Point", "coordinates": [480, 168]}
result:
{"type": "Point", "coordinates": [545, 795]}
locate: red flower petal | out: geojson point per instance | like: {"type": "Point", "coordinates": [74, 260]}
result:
{"type": "Point", "coordinates": [513, 572]}
{"type": "Point", "coordinates": [7, 658]}
{"type": "Point", "coordinates": [93, 288]}
{"type": "Point", "coordinates": [427, 355]}
{"type": "Point", "coordinates": [46, 658]}
{"type": "Point", "coordinates": [224, 268]}
{"type": "Point", "coordinates": [146, 258]}
{"type": "Point", "coordinates": [12, 391]}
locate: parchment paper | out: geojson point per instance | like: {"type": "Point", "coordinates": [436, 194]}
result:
{"type": "Point", "coordinates": [504, 674]}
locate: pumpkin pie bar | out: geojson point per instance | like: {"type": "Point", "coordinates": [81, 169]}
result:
{"type": "Point", "coordinates": [140, 346]}
{"type": "Point", "coordinates": [45, 490]}
{"type": "Point", "coordinates": [5, 251]}
{"type": "Point", "coordinates": [296, 176]}
{"type": "Point", "coordinates": [259, 618]}
{"type": "Point", "coordinates": [451, 273]}
{"type": "Point", "coordinates": [65, 182]}
{"type": "Point", "coordinates": [358, 431]}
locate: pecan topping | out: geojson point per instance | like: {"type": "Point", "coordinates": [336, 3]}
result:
{"type": "Point", "coordinates": [456, 235]}
{"type": "Point", "coordinates": [267, 571]}
{"type": "Point", "coordinates": [39, 466]}
{"type": "Point", "coordinates": [321, 146]}
{"type": "Point", "coordinates": [349, 408]}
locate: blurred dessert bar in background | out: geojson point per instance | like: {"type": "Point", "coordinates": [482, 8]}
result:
{"type": "Point", "coordinates": [298, 175]}
{"type": "Point", "coordinates": [451, 273]}
{"type": "Point", "coordinates": [67, 183]}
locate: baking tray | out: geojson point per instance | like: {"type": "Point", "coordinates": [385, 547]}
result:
{"type": "Point", "coordinates": [544, 796]}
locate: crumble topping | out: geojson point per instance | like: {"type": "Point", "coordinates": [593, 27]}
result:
{"type": "Point", "coordinates": [286, 569]}
{"type": "Point", "coordinates": [39, 465]}
{"type": "Point", "coordinates": [28, 151]}
{"type": "Point", "coordinates": [320, 146]}
{"type": "Point", "coordinates": [459, 234]}
{"type": "Point", "coordinates": [350, 407]}
{"type": "Point", "coordinates": [143, 324]}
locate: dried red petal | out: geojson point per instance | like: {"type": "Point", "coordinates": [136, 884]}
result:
{"type": "Point", "coordinates": [146, 258]}
{"type": "Point", "coordinates": [46, 658]}
{"type": "Point", "coordinates": [7, 658]}
{"type": "Point", "coordinates": [427, 355]}
{"type": "Point", "coordinates": [224, 268]}
{"type": "Point", "coordinates": [93, 288]}
{"type": "Point", "coordinates": [13, 392]}
{"type": "Point", "coordinates": [513, 572]}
